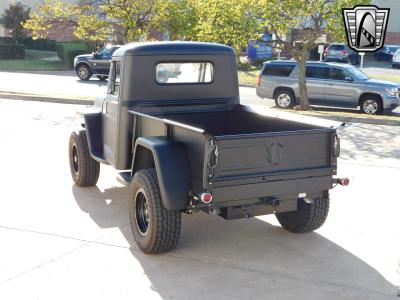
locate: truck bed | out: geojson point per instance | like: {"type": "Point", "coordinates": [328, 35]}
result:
{"type": "Point", "coordinates": [235, 122]}
{"type": "Point", "coordinates": [240, 154]}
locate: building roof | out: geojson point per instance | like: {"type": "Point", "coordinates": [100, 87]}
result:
{"type": "Point", "coordinates": [189, 48]}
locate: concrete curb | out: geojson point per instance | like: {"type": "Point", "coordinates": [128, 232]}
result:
{"type": "Point", "coordinates": [41, 98]}
{"type": "Point", "coordinates": [358, 120]}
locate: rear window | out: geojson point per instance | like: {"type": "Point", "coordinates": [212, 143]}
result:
{"type": "Point", "coordinates": [184, 72]}
{"type": "Point", "coordinates": [336, 47]}
{"type": "Point", "coordinates": [278, 70]}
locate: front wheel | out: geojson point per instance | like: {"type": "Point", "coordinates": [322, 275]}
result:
{"type": "Point", "coordinates": [284, 98]}
{"type": "Point", "coordinates": [84, 169]}
{"type": "Point", "coordinates": [83, 72]}
{"type": "Point", "coordinates": [154, 228]}
{"type": "Point", "coordinates": [371, 105]}
{"type": "Point", "coordinates": [310, 215]}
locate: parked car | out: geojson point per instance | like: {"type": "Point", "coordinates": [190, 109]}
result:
{"type": "Point", "coordinates": [341, 53]}
{"type": "Point", "coordinates": [396, 59]}
{"type": "Point", "coordinates": [386, 52]}
{"type": "Point", "coordinates": [328, 84]}
{"type": "Point", "coordinates": [182, 148]}
{"type": "Point", "coordinates": [97, 63]}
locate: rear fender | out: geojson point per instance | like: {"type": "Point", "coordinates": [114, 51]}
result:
{"type": "Point", "coordinates": [93, 125]}
{"type": "Point", "coordinates": [170, 160]}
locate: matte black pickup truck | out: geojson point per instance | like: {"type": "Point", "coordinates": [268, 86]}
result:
{"type": "Point", "coordinates": [173, 123]}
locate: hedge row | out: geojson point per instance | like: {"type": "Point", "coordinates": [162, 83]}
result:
{"type": "Point", "coordinates": [12, 51]}
{"type": "Point", "coordinates": [39, 44]}
{"type": "Point", "coordinates": [68, 50]}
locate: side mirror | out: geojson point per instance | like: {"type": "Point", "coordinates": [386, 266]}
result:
{"type": "Point", "coordinates": [348, 78]}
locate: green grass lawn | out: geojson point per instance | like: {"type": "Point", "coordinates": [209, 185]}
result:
{"type": "Point", "coordinates": [395, 78]}
{"type": "Point", "coordinates": [35, 60]}
{"type": "Point", "coordinates": [248, 76]}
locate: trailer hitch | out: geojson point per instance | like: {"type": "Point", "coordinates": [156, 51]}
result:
{"type": "Point", "coordinates": [342, 181]}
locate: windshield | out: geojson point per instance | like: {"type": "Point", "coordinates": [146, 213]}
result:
{"type": "Point", "coordinates": [358, 74]}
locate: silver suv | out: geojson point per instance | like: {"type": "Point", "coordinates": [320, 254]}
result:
{"type": "Point", "coordinates": [328, 84]}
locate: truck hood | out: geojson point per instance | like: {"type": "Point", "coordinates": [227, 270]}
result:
{"type": "Point", "coordinates": [381, 83]}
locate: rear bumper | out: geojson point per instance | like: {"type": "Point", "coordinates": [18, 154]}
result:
{"type": "Point", "coordinates": [233, 195]}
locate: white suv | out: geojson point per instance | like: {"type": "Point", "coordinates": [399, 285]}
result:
{"type": "Point", "coordinates": [396, 59]}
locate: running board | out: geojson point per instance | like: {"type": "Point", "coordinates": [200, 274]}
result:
{"type": "Point", "coordinates": [124, 178]}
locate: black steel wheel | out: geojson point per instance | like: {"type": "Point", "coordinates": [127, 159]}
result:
{"type": "Point", "coordinates": [85, 170]}
{"type": "Point", "coordinates": [310, 215]}
{"type": "Point", "coordinates": [83, 72]}
{"type": "Point", "coordinates": [155, 229]}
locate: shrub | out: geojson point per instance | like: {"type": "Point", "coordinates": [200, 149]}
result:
{"type": "Point", "coordinates": [6, 40]}
{"type": "Point", "coordinates": [39, 44]}
{"type": "Point", "coordinates": [67, 51]}
{"type": "Point", "coordinates": [12, 51]}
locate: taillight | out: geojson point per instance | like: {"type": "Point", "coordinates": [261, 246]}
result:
{"type": "Point", "coordinates": [258, 81]}
{"type": "Point", "coordinates": [344, 52]}
{"type": "Point", "coordinates": [205, 197]}
{"type": "Point", "coordinates": [344, 181]}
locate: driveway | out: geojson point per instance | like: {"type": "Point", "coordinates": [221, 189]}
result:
{"type": "Point", "coordinates": [59, 241]}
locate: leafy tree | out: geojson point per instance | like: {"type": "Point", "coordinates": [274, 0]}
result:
{"type": "Point", "coordinates": [176, 16]}
{"type": "Point", "coordinates": [13, 18]}
{"type": "Point", "coordinates": [314, 18]}
{"type": "Point", "coordinates": [230, 22]}
{"type": "Point", "coordinates": [93, 19]}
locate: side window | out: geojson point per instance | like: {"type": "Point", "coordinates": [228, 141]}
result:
{"type": "Point", "coordinates": [114, 78]}
{"type": "Point", "coordinates": [316, 72]}
{"type": "Point", "coordinates": [104, 53]}
{"type": "Point", "coordinates": [337, 74]}
{"type": "Point", "coordinates": [278, 70]}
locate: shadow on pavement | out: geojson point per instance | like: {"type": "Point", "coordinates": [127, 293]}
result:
{"type": "Point", "coordinates": [378, 142]}
{"type": "Point", "coordinates": [92, 81]}
{"type": "Point", "coordinates": [234, 259]}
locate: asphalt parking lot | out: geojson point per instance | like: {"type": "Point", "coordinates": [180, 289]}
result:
{"type": "Point", "coordinates": [59, 241]}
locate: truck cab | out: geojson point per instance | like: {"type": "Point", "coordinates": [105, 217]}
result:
{"type": "Point", "coordinates": [172, 123]}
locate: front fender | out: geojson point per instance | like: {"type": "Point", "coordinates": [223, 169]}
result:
{"type": "Point", "coordinates": [172, 168]}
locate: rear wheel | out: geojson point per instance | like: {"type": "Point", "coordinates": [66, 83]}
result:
{"type": "Point", "coordinates": [284, 98]}
{"type": "Point", "coordinates": [371, 105]}
{"type": "Point", "coordinates": [84, 169]}
{"type": "Point", "coordinates": [154, 228]}
{"type": "Point", "coordinates": [310, 215]}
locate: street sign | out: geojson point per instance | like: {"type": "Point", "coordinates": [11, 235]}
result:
{"type": "Point", "coordinates": [321, 49]}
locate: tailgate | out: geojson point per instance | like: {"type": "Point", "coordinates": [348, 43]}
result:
{"type": "Point", "coordinates": [300, 152]}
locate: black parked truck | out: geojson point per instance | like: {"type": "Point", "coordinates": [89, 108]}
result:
{"type": "Point", "coordinates": [173, 124]}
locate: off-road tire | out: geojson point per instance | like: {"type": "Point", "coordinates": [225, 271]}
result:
{"type": "Point", "coordinates": [288, 98]}
{"type": "Point", "coordinates": [85, 170]}
{"type": "Point", "coordinates": [308, 216]}
{"type": "Point", "coordinates": [83, 72]}
{"type": "Point", "coordinates": [162, 233]}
